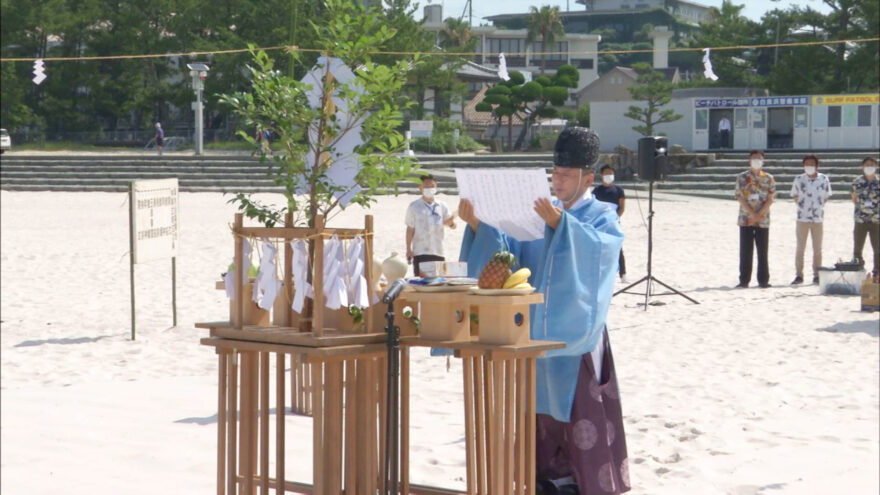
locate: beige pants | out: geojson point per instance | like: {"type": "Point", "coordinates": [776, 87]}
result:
{"type": "Point", "coordinates": [815, 232]}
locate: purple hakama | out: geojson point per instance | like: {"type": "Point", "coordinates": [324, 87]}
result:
{"type": "Point", "coordinates": [592, 446]}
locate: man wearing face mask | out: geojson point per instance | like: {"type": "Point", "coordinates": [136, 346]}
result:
{"type": "Point", "coordinates": [755, 189]}
{"type": "Point", "coordinates": [581, 447]}
{"type": "Point", "coordinates": [425, 219]}
{"type": "Point", "coordinates": [610, 193]}
{"type": "Point", "coordinates": [810, 191]}
{"type": "Point", "coordinates": [866, 197]}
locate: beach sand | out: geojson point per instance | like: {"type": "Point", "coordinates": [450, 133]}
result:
{"type": "Point", "coordinates": [753, 391]}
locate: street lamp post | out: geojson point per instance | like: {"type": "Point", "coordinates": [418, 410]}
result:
{"type": "Point", "coordinates": [198, 72]}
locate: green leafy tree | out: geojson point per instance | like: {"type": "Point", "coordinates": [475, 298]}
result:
{"type": "Point", "coordinates": [544, 23]}
{"type": "Point", "coordinates": [308, 136]}
{"type": "Point", "coordinates": [735, 67]}
{"type": "Point", "coordinates": [653, 89]}
{"type": "Point", "coordinates": [553, 93]}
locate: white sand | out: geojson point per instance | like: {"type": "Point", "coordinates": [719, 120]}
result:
{"type": "Point", "coordinates": [752, 391]}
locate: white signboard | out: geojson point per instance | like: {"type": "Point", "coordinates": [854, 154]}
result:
{"type": "Point", "coordinates": [514, 214]}
{"type": "Point", "coordinates": [421, 128]}
{"type": "Point", "coordinates": [154, 220]}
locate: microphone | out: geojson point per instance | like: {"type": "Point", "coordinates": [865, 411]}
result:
{"type": "Point", "coordinates": [393, 290]}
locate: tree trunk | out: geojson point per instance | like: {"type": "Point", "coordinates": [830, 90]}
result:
{"type": "Point", "coordinates": [510, 133]}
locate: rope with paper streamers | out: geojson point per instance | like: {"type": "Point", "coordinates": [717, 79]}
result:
{"type": "Point", "coordinates": [294, 48]}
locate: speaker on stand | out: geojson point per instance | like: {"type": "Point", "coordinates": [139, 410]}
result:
{"type": "Point", "coordinates": [653, 160]}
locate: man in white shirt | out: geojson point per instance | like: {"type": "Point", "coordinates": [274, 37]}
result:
{"type": "Point", "coordinates": [425, 219]}
{"type": "Point", "coordinates": [724, 132]}
{"type": "Point", "coordinates": [810, 191]}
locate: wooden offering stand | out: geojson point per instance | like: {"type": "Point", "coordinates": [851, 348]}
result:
{"type": "Point", "coordinates": [336, 375]}
{"type": "Point", "coordinates": [498, 385]}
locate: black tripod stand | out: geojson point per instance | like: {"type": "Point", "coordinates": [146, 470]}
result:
{"type": "Point", "coordinates": [649, 279]}
{"type": "Point", "coordinates": [392, 399]}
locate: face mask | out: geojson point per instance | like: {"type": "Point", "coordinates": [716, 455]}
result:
{"type": "Point", "coordinates": [608, 179]}
{"type": "Point", "coordinates": [810, 170]}
{"type": "Point", "coordinates": [429, 192]}
{"type": "Point", "coordinates": [870, 170]}
{"type": "Point", "coordinates": [757, 164]}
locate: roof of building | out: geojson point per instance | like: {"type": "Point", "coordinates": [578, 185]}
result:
{"type": "Point", "coordinates": [472, 71]}
{"type": "Point", "coordinates": [473, 117]}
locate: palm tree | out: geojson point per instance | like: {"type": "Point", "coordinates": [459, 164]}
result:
{"type": "Point", "coordinates": [545, 23]}
{"type": "Point", "coordinates": [456, 33]}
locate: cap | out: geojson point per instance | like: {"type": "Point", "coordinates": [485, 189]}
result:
{"type": "Point", "coordinates": [576, 147]}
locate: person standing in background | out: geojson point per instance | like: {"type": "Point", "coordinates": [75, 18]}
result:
{"type": "Point", "coordinates": [755, 189]}
{"type": "Point", "coordinates": [724, 132]}
{"type": "Point", "coordinates": [810, 191]}
{"type": "Point", "coordinates": [159, 137]}
{"type": "Point", "coordinates": [866, 197]}
{"type": "Point", "coordinates": [425, 219]}
{"type": "Point", "coordinates": [609, 193]}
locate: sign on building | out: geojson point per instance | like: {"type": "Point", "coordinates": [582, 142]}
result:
{"type": "Point", "coordinates": [421, 128]}
{"type": "Point", "coordinates": [154, 214]}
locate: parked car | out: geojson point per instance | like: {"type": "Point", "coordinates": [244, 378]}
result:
{"type": "Point", "coordinates": [5, 141]}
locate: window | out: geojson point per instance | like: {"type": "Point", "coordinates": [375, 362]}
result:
{"type": "Point", "coordinates": [561, 51]}
{"type": "Point", "coordinates": [864, 115]}
{"type": "Point", "coordinates": [702, 119]}
{"type": "Point", "coordinates": [506, 45]}
{"type": "Point", "coordinates": [583, 64]}
{"type": "Point", "coordinates": [834, 116]}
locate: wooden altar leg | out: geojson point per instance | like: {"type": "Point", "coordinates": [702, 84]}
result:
{"type": "Point", "coordinates": [221, 422]}
{"type": "Point", "coordinates": [333, 426]}
{"type": "Point", "coordinates": [381, 378]}
{"type": "Point", "coordinates": [264, 423]}
{"type": "Point", "coordinates": [279, 422]}
{"type": "Point", "coordinates": [317, 428]}
{"type": "Point", "coordinates": [469, 434]}
{"type": "Point", "coordinates": [350, 434]}
{"type": "Point", "coordinates": [372, 427]}
{"type": "Point", "coordinates": [480, 433]}
{"type": "Point", "coordinates": [521, 480]}
{"type": "Point", "coordinates": [404, 420]}
{"type": "Point", "coordinates": [530, 425]}
{"type": "Point", "coordinates": [497, 428]}
{"type": "Point", "coordinates": [247, 423]}
{"type": "Point", "coordinates": [232, 407]}
{"type": "Point", "coordinates": [509, 414]}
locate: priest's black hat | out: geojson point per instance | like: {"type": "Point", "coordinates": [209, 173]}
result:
{"type": "Point", "coordinates": [576, 147]}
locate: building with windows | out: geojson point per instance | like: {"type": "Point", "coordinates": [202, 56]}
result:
{"type": "Point", "coordinates": [578, 50]}
{"type": "Point", "coordinates": [799, 122]}
{"type": "Point", "coordinates": [691, 11]}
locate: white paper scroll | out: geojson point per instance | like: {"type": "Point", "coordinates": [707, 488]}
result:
{"type": "Point", "coordinates": [707, 66]}
{"type": "Point", "coordinates": [335, 291]}
{"type": "Point", "coordinates": [302, 288]}
{"type": "Point", "coordinates": [355, 279]}
{"type": "Point", "coordinates": [505, 199]}
{"type": "Point", "coordinates": [229, 278]}
{"type": "Point", "coordinates": [266, 285]}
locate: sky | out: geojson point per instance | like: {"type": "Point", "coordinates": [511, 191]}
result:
{"type": "Point", "coordinates": [481, 8]}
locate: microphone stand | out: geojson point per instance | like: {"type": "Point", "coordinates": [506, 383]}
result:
{"type": "Point", "coordinates": [392, 402]}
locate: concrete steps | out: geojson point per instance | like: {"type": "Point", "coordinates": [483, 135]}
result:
{"type": "Point", "coordinates": [241, 172]}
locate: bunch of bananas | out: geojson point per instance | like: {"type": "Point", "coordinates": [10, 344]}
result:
{"type": "Point", "coordinates": [518, 280]}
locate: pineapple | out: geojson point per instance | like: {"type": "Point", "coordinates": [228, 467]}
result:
{"type": "Point", "coordinates": [497, 270]}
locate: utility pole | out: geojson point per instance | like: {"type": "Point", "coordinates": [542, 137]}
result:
{"type": "Point", "coordinates": [199, 72]}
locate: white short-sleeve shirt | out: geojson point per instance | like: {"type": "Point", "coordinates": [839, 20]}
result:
{"type": "Point", "coordinates": [427, 221]}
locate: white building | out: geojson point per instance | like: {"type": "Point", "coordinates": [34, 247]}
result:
{"type": "Point", "coordinates": [691, 11]}
{"type": "Point", "coordinates": [803, 122]}
{"type": "Point", "coordinates": [578, 50]}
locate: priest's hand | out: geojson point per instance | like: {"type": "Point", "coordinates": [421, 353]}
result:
{"type": "Point", "coordinates": [466, 213]}
{"type": "Point", "coordinates": [551, 214]}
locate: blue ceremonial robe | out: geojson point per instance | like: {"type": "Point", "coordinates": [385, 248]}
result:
{"type": "Point", "coordinates": [574, 267]}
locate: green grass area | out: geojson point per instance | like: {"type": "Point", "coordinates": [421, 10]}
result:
{"type": "Point", "coordinates": [237, 145]}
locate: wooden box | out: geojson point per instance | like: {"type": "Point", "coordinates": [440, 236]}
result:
{"type": "Point", "coordinates": [504, 320]}
{"type": "Point", "coordinates": [870, 295]}
{"type": "Point", "coordinates": [444, 316]}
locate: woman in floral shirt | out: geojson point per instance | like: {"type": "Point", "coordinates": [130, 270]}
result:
{"type": "Point", "coordinates": [866, 196]}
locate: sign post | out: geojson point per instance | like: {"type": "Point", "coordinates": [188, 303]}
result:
{"type": "Point", "coordinates": [154, 231]}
